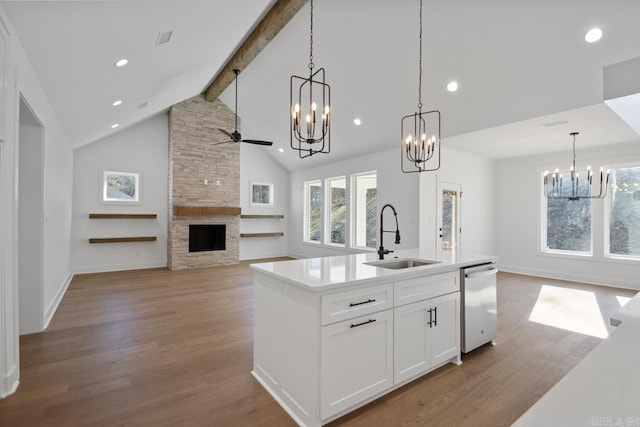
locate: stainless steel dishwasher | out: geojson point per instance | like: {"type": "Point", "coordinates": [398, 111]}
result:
{"type": "Point", "coordinates": [479, 323]}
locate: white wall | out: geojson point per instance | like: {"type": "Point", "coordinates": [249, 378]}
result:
{"type": "Point", "coordinates": [395, 187]}
{"type": "Point", "coordinates": [58, 175]}
{"type": "Point", "coordinates": [476, 175]}
{"type": "Point", "coordinates": [258, 167]}
{"type": "Point", "coordinates": [518, 213]}
{"type": "Point", "coordinates": [144, 149]}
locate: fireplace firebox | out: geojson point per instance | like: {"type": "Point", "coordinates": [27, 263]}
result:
{"type": "Point", "coordinates": [207, 237]}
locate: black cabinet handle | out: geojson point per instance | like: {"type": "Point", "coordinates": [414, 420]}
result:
{"type": "Point", "coordinates": [435, 319]}
{"type": "Point", "coordinates": [430, 318]}
{"type": "Point", "coordinates": [363, 323]}
{"type": "Point", "coordinates": [353, 304]}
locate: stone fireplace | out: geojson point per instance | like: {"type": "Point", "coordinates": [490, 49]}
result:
{"type": "Point", "coordinates": [204, 183]}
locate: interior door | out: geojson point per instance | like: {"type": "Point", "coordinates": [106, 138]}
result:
{"type": "Point", "coordinates": [449, 224]}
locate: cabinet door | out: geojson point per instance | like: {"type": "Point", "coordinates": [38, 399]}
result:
{"type": "Point", "coordinates": [356, 361]}
{"type": "Point", "coordinates": [412, 350]}
{"type": "Point", "coordinates": [445, 341]}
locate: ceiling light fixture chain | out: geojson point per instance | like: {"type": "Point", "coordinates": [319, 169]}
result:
{"type": "Point", "coordinates": [553, 183]}
{"type": "Point", "coordinates": [309, 135]}
{"type": "Point", "coordinates": [311, 64]}
{"type": "Point", "coordinates": [420, 64]}
{"type": "Point", "coordinates": [420, 131]}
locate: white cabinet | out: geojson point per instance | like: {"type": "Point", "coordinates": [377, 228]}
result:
{"type": "Point", "coordinates": [324, 353]}
{"type": "Point", "coordinates": [425, 334]}
{"type": "Point", "coordinates": [356, 361]}
{"type": "Point", "coordinates": [4, 60]}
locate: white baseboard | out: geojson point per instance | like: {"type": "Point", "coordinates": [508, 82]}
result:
{"type": "Point", "coordinates": [119, 267]}
{"type": "Point", "coordinates": [10, 383]}
{"type": "Point", "coordinates": [570, 277]}
{"type": "Point", "coordinates": [53, 305]}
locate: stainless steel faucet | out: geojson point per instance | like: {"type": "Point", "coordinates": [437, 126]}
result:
{"type": "Point", "coordinates": [382, 251]}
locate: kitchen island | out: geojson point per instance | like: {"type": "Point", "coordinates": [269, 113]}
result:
{"type": "Point", "coordinates": [334, 333]}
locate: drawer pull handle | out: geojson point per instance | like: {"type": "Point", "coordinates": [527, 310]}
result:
{"type": "Point", "coordinates": [363, 323]}
{"type": "Point", "coordinates": [353, 304]}
{"type": "Point", "coordinates": [430, 322]}
{"type": "Point", "coordinates": [435, 316]}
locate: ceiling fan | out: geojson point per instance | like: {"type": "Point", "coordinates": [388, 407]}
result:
{"type": "Point", "coordinates": [235, 135]}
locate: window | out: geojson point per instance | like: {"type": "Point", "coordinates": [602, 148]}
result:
{"type": "Point", "coordinates": [341, 211]}
{"type": "Point", "coordinates": [337, 214]}
{"type": "Point", "coordinates": [365, 204]}
{"type": "Point", "coordinates": [568, 223]}
{"type": "Point", "coordinates": [313, 211]}
{"type": "Point", "coordinates": [120, 187]}
{"type": "Point", "coordinates": [624, 212]}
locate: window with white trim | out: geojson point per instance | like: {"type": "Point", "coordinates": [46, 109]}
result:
{"type": "Point", "coordinates": [312, 211]}
{"type": "Point", "coordinates": [337, 214]}
{"type": "Point", "coordinates": [341, 211]}
{"type": "Point", "coordinates": [365, 204]}
{"type": "Point", "coordinates": [624, 213]}
{"type": "Point", "coordinates": [567, 223]}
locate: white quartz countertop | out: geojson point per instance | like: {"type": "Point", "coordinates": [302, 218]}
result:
{"type": "Point", "coordinates": [603, 389]}
{"type": "Point", "coordinates": [333, 272]}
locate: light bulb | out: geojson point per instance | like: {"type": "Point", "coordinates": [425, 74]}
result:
{"type": "Point", "coordinates": [308, 118]}
{"type": "Point", "coordinates": [296, 108]}
{"type": "Point", "coordinates": [326, 110]}
{"type": "Point", "coordinates": [314, 107]}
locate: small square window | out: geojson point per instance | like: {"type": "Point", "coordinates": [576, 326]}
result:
{"type": "Point", "coordinates": [261, 195]}
{"type": "Point", "coordinates": [120, 187]}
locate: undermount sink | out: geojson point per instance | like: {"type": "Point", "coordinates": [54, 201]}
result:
{"type": "Point", "coordinates": [398, 264]}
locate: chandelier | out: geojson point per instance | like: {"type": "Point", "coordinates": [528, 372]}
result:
{"type": "Point", "coordinates": [420, 132]}
{"type": "Point", "coordinates": [576, 189]}
{"type": "Point", "coordinates": [310, 135]}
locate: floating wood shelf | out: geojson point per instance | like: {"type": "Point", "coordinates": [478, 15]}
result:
{"type": "Point", "coordinates": [205, 210]}
{"type": "Point", "coordinates": [262, 216]}
{"type": "Point", "coordinates": [261, 234]}
{"type": "Point", "coordinates": [123, 239]}
{"type": "Point", "coordinates": [122, 216]}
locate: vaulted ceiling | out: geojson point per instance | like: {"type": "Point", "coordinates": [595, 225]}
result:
{"type": "Point", "coordinates": [520, 66]}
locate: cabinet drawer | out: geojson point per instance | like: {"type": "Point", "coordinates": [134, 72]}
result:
{"type": "Point", "coordinates": [346, 305]}
{"type": "Point", "coordinates": [412, 290]}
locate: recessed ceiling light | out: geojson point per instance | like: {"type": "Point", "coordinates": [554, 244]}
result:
{"type": "Point", "coordinates": [452, 86]}
{"type": "Point", "coordinates": [593, 35]}
{"type": "Point", "coordinates": [116, 103]}
{"type": "Point", "coordinates": [281, 150]}
{"type": "Point", "coordinates": [122, 62]}
{"type": "Point", "coordinates": [142, 105]}
{"type": "Point", "coordinates": [357, 122]}
{"type": "Point", "coordinates": [115, 125]}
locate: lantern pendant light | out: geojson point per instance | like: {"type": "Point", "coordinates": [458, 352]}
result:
{"type": "Point", "coordinates": [310, 115]}
{"type": "Point", "coordinates": [420, 132]}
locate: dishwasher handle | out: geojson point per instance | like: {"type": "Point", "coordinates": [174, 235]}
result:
{"type": "Point", "coordinates": [484, 273]}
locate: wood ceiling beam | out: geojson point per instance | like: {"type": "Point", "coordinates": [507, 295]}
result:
{"type": "Point", "coordinates": [278, 16]}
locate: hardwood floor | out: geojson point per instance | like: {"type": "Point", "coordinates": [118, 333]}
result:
{"type": "Point", "coordinates": [155, 347]}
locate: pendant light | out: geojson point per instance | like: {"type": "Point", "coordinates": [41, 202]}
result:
{"type": "Point", "coordinates": [309, 99]}
{"type": "Point", "coordinates": [553, 183]}
{"type": "Point", "coordinates": [420, 132]}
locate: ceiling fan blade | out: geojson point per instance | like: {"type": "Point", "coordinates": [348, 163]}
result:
{"type": "Point", "coordinates": [226, 133]}
{"type": "Point", "coordinates": [257, 142]}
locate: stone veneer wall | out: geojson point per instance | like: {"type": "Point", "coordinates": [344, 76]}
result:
{"type": "Point", "coordinates": [193, 129]}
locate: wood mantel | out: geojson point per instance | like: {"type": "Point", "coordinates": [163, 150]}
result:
{"type": "Point", "coordinates": [205, 210]}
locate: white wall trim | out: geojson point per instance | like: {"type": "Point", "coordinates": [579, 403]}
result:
{"type": "Point", "coordinates": [55, 302]}
{"type": "Point", "coordinates": [10, 383]}
{"type": "Point", "coordinates": [120, 267]}
{"type": "Point", "coordinates": [570, 277]}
